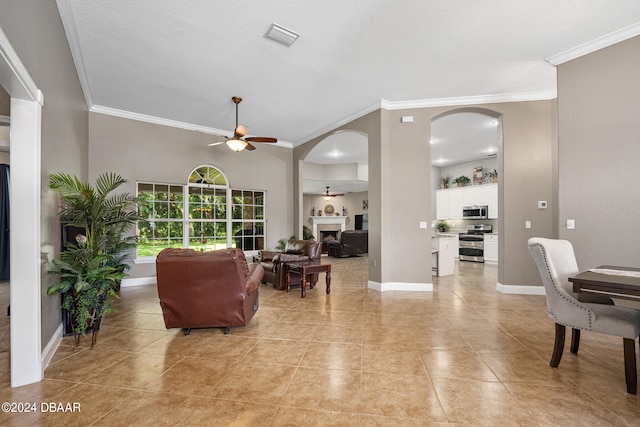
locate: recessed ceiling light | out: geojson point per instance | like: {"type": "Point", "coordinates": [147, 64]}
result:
{"type": "Point", "coordinates": [335, 153]}
{"type": "Point", "coordinates": [494, 122]}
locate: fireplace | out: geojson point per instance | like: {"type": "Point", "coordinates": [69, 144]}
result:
{"type": "Point", "coordinates": [325, 237]}
{"type": "Point", "coordinates": [327, 228]}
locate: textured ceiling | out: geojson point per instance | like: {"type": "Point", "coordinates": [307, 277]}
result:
{"type": "Point", "coordinates": [183, 60]}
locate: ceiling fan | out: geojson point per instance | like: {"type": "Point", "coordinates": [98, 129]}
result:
{"type": "Point", "coordinates": [328, 196]}
{"type": "Point", "coordinates": [238, 142]}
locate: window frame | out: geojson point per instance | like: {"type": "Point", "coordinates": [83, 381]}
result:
{"type": "Point", "coordinates": [187, 221]}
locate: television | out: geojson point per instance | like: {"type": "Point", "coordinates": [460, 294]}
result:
{"type": "Point", "coordinates": [362, 222]}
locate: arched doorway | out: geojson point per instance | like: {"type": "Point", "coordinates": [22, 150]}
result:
{"type": "Point", "coordinates": [466, 145]}
{"type": "Point", "coordinates": [335, 174]}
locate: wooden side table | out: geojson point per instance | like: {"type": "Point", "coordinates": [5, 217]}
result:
{"type": "Point", "coordinates": [305, 269]}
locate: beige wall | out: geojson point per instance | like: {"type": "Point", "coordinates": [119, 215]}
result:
{"type": "Point", "coordinates": [599, 149]}
{"type": "Point", "coordinates": [35, 31]}
{"type": "Point", "coordinates": [148, 152]}
{"type": "Point", "coordinates": [5, 101]}
{"type": "Point", "coordinates": [352, 202]}
{"type": "Point", "coordinates": [372, 125]}
{"type": "Point", "coordinates": [400, 187]}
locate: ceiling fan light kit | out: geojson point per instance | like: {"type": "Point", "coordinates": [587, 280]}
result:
{"type": "Point", "coordinates": [328, 196]}
{"type": "Point", "coordinates": [238, 142]}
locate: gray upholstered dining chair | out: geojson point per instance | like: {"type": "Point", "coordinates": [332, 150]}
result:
{"type": "Point", "coordinates": [556, 262]}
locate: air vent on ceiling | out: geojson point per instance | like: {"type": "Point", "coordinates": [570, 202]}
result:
{"type": "Point", "coordinates": [492, 155]}
{"type": "Point", "coordinates": [281, 35]}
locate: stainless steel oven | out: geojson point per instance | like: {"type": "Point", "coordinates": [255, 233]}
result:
{"type": "Point", "coordinates": [471, 243]}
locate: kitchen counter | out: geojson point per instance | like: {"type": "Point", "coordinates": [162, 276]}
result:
{"type": "Point", "coordinates": [446, 245]}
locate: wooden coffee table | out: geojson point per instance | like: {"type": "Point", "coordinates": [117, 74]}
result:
{"type": "Point", "coordinates": [305, 269]}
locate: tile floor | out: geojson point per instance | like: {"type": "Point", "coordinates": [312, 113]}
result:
{"type": "Point", "coordinates": [462, 355]}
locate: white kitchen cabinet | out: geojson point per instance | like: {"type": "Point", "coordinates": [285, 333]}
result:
{"type": "Point", "coordinates": [471, 196]}
{"type": "Point", "coordinates": [449, 202]}
{"type": "Point", "coordinates": [490, 248]}
{"type": "Point", "coordinates": [443, 204]}
{"type": "Point", "coordinates": [488, 195]}
{"type": "Point", "coordinates": [457, 202]}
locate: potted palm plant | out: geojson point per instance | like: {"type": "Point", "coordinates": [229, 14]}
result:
{"type": "Point", "coordinates": [90, 270]}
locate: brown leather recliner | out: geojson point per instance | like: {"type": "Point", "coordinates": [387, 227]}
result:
{"type": "Point", "coordinates": [207, 289]}
{"type": "Point", "coordinates": [274, 262]}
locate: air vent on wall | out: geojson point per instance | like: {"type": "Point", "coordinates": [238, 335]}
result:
{"type": "Point", "coordinates": [281, 35]}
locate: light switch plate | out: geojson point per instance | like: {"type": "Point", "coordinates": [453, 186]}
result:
{"type": "Point", "coordinates": [527, 224]}
{"type": "Point", "coordinates": [423, 224]}
{"type": "Point", "coordinates": [571, 224]}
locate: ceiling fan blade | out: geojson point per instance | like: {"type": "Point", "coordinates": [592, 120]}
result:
{"type": "Point", "coordinates": [261, 139]}
{"type": "Point", "coordinates": [213, 144]}
{"type": "Point", "coordinates": [250, 147]}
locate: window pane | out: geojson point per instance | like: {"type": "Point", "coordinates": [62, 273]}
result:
{"type": "Point", "coordinates": [221, 229]}
{"type": "Point", "coordinates": [161, 210]}
{"type": "Point", "coordinates": [258, 198]}
{"type": "Point", "coordinates": [145, 188]}
{"type": "Point", "coordinates": [259, 212]}
{"type": "Point", "coordinates": [175, 210]}
{"type": "Point", "coordinates": [237, 212]}
{"type": "Point", "coordinates": [248, 212]}
{"type": "Point", "coordinates": [195, 194]}
{"type": "Point", "coordinates": [175, 230]}
{"type": "Point", "coordinates": [248, 197]}
{"type": "Point", "coordinates": [162, 192]}
{"type": "Point", "coordinates": [176, 194]}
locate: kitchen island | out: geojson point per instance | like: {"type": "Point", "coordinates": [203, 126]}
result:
{"type": "Point", "coordinates": [444, 246]}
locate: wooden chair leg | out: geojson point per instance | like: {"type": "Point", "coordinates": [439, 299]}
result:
{"type": "Point", "coordinates": [630, 373]}
{"type": "Point", "coordinates": [575, 340]}
{"type": "Point", "coordinates": [558, 347]}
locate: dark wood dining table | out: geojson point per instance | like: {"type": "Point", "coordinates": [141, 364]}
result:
{"type": "Point", "coordinates": [612, 285]}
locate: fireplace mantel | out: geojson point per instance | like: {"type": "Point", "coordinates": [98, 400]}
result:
{"type": "Point", "coordinates": [327, 220]}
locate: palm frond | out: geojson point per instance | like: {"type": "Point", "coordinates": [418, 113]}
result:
{"type": "Point", "coordinates": [107, 182]}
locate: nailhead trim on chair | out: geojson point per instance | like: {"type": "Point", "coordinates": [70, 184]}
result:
{"type": "Point", "coordinates": [555, 289]}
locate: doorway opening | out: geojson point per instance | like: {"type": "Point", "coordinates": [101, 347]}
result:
{"type": "Point", "coordinates": [466, 165]}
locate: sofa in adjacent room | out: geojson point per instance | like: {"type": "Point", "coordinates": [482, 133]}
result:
{"type": "Point", "coordinates": [207, 289]}
{"type": "Point", "coordinates": [351, 243]}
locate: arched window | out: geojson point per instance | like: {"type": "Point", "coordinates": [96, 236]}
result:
{"type": "Point", "coordinates": [204, 214]}
{"type": "Point", "coordinates": [207, 221]}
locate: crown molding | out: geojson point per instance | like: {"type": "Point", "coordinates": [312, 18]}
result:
{"type": "Point", "coordinates": [69, 25]}
{"type": "Point", "coordinates": [436, 102]}
{"type": "Point", "coordinates": [468, 100]}
{"type": "Point", "coordinates": [333, 126]}
{"type": "Point", "coordinates": [171, 123]}
{"type": "Point", "coordinates": [18, 83]}
{"type": "Point", "coordinates": [596, 44]}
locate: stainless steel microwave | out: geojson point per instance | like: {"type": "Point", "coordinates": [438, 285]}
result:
{"type": "Point", "coordinates": [475, 212]}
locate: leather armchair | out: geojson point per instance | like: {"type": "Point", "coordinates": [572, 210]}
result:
{"type": "Point", "coordinates": [274, 262]}
{"type": "Point", "coordinates": [351, 243]}
{"type": "Point", "coordinates": [207, 289]}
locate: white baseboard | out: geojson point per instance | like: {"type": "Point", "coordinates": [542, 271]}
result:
{"type": "Point", "coordinates": [51, 347]}
{"type": "Point", "coordinates": [400, 286]}
{"type": "Point", "coordinates": [520, 289]}
{"type": "Point", "coordinates": [138, 281]}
